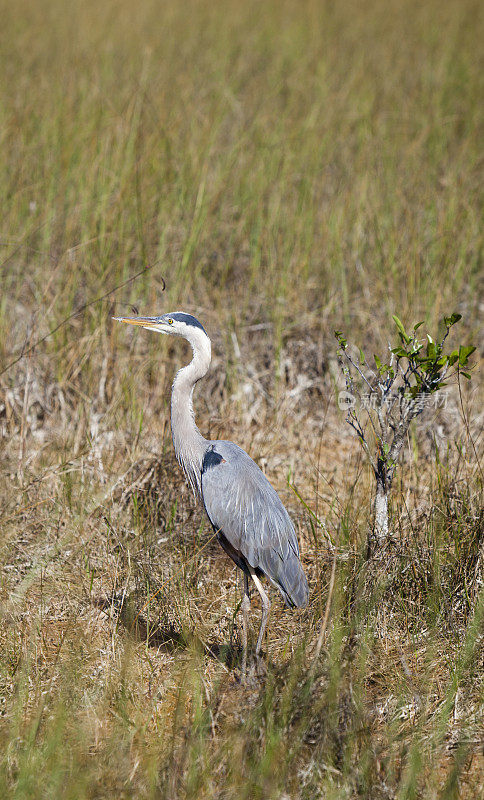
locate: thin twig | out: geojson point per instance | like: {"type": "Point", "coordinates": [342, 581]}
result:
{"type": "Point", "coordinates": [74, 314]}
{"type": "Point", "coordinates": [324, 623]}
{"type": "Point", "coordinates": [466, 423]}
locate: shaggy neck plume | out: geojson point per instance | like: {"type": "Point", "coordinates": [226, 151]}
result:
{"type": "Point", "coordinates": [190, 446]}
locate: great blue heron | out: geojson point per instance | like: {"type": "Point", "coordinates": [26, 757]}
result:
{"type": "Point", "coordinates": [246, 513]}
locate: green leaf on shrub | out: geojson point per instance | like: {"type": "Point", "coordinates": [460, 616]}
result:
{"type": "Point", "coordinates": [449, 321]}
{"type": "Point", "coordinates": [401, 329]}
{"type": "Point", "coordinates": [464, 353]}
{"type": "Point", "coordinates": [400, 352]}
{"type": "Point", "coordinates": [342, 341]}
{"type": "Point", "coordinates": [431, 349]}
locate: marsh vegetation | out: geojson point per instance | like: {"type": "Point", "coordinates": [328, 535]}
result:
{"type": "Point", "coordinates": [288, 168]}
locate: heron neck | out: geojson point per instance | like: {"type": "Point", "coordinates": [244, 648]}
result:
{"type": "Point", "coordinates": [189, 444]}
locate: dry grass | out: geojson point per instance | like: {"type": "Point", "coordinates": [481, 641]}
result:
{"type": "Point", "coordinates": [288, 168]}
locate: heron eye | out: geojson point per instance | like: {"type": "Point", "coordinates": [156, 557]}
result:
{"type": "Point", "coordinates": [170, 322]}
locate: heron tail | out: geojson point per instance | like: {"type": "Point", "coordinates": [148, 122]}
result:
{"type": "Point", "coordinates": [292, 583]}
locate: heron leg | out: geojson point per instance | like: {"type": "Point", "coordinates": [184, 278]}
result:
{"type": "Point", "coordinates": [266, 607]}
{"type": "Point", "coordinates": [245, 605]}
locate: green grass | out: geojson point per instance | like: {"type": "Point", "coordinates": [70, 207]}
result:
{"type": "Point", "coordinates": [287, 168]}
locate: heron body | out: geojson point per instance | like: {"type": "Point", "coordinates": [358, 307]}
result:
{"type": "Point", "coordinates": [253, 526]}
{"type": "Point", "coordinates": [245, 511]}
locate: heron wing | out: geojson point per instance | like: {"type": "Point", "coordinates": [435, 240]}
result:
{"type": "Point", "coordinates": [244, 508]}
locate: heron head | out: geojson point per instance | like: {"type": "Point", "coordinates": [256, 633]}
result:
{"type": "Point", "coordinates": [176, 323]}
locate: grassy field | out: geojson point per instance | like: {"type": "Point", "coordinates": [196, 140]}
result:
{"type": "Point", "coordinates": [287, 168]}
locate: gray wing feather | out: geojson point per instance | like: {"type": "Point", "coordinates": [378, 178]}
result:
{"type": "Point", "coordinates": [242, 504]}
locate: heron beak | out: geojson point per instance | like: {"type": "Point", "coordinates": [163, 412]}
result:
{"type": "Point", "coordinates": [145, 322]}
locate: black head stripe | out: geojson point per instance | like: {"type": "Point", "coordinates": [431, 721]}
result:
{"type": "Point", "coordinates": [180, 316]}
{"type": "Point", "coordinates": [211, 459]}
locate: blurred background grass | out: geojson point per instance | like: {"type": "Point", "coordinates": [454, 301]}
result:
{"type": "Point", "coordinates": [287, 168]}
{"type": "Point", "coordinates": [291, 155]}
